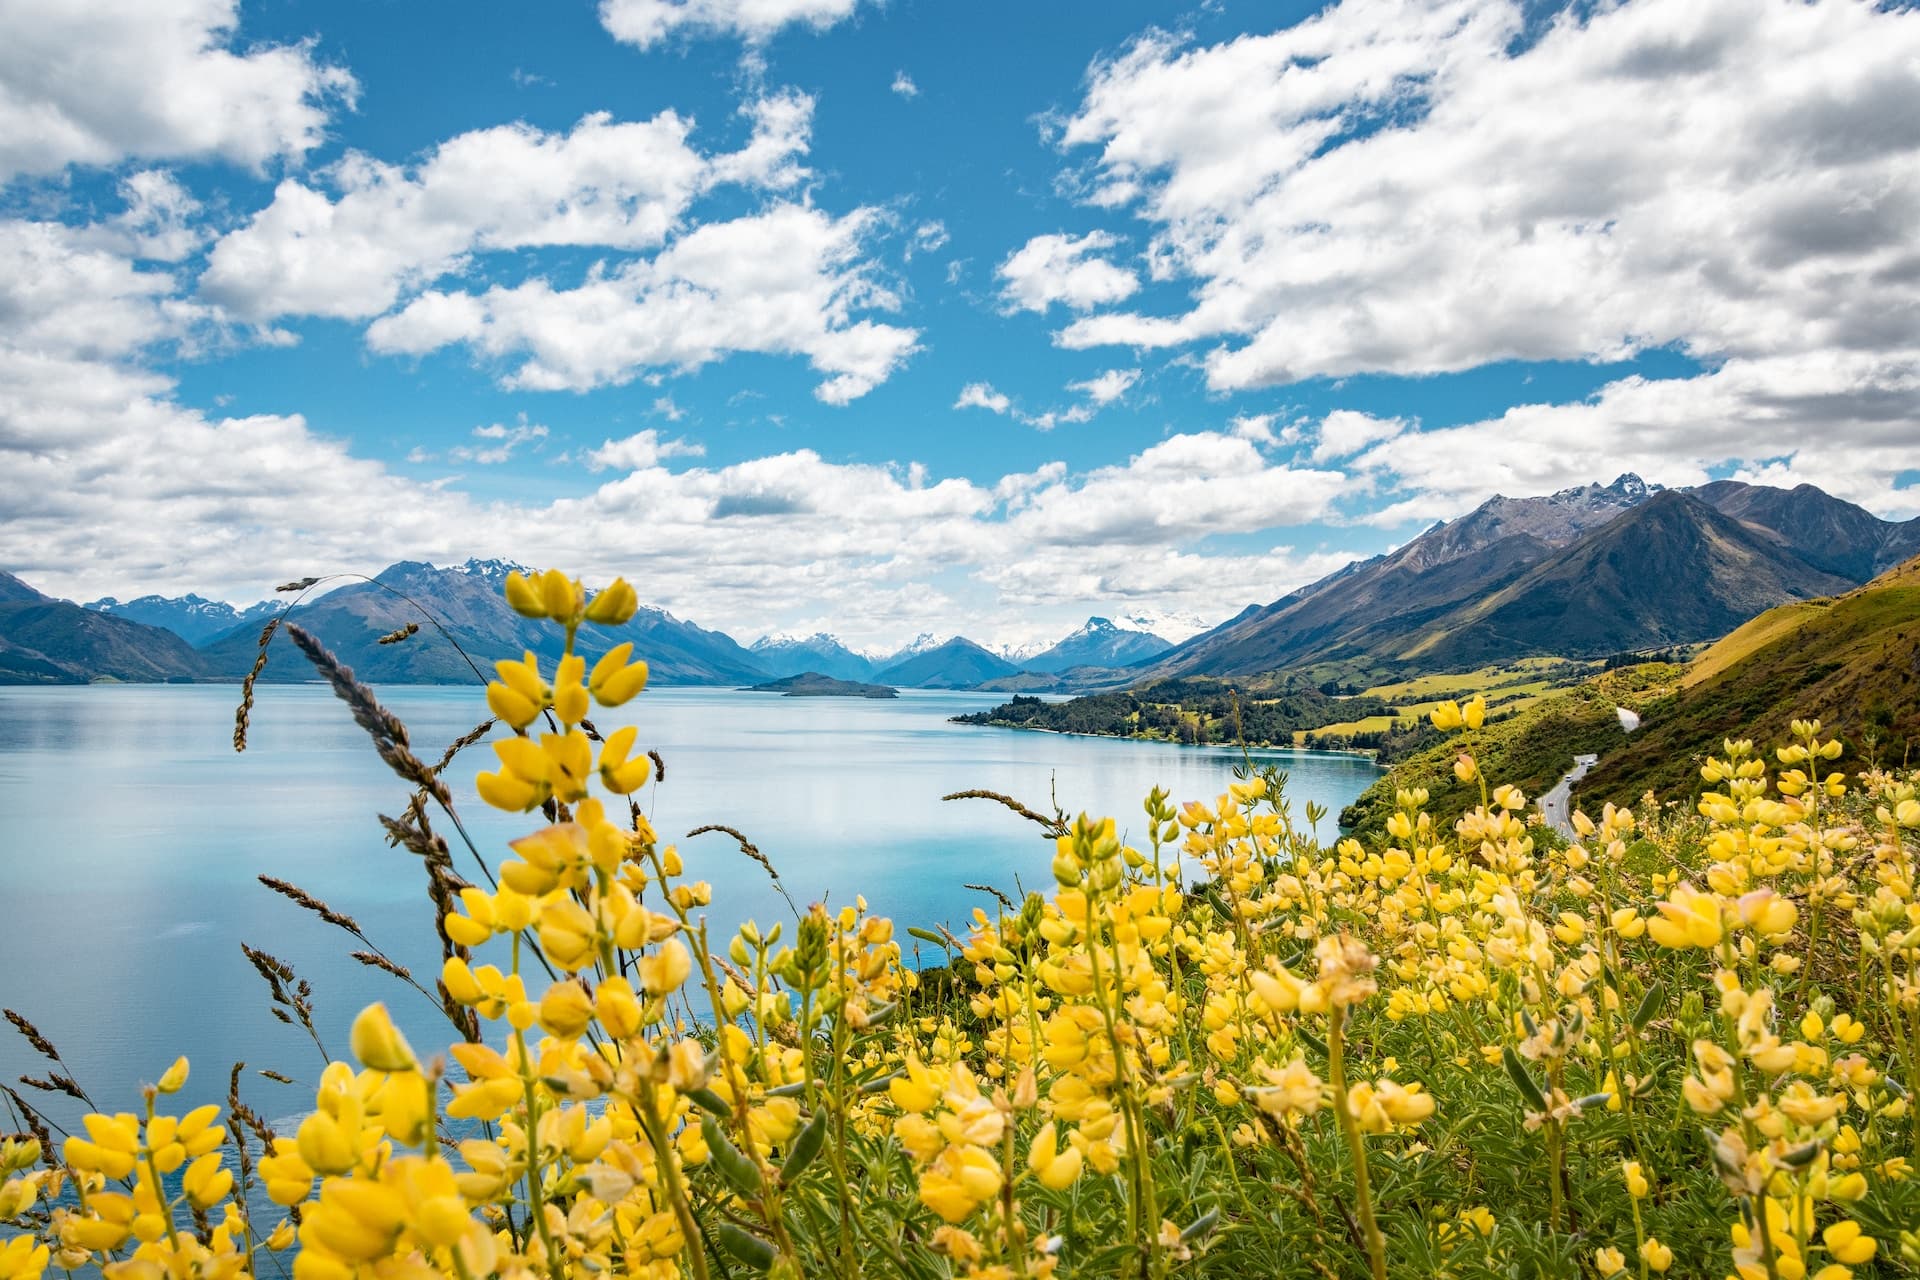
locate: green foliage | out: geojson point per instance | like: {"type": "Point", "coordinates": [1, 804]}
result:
{"type": "Point", "coordinates": [1186, 710]}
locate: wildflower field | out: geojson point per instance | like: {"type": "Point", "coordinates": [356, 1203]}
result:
{"type": "Point", "coordinates": [1685, 1043]}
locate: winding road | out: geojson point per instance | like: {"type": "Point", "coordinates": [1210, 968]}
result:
{"type": "Point", "coordinates": [1554, 804]}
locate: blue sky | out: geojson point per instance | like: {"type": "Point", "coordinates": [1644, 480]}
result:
{"type": "Point", "coordinates": [884, 318]}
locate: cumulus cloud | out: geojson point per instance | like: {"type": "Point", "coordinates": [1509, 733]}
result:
{"type": "Point", "coordinates": [1843, 423]}
{"type": "Point", "coordinates": [64, 293]}
{"type": "Point", "coordinates": [1378, 189]}
{"type": "Point", "coordinates": [981, 395]}
{"type": "Point", "coordinates": [1107, 387]}
{"type": "Point", "coordinates": [788, 281]}
{"type": "Point", "coordinates": [640, 451]}
{"type": "Point", "coordinates": [497, 441]}
{"type": "Point", "coordinates": [1058, 268]}
{"type": "Point", "coordinates": [904, 86]}
{"type": "Point", "coordinates": [618, 184]}
{"type": "Point", "coordinates": [645, 23]}
{"type": "Point", "coordinates": [1345, 432]}
{"type": "Point", "coordinates": [93, 82]}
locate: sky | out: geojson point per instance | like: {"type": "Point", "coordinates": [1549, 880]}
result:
{"type": "Point", "coordinates": [886, 317]}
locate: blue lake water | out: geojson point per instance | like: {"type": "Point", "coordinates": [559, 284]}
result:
{"type": "Point", "coordinates": [131, 835]}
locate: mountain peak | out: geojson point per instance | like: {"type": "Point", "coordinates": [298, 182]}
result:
{"type": "Point", "coordinates": [1629, 486]}
{"type": "Point", "coordinates": [492, 570]}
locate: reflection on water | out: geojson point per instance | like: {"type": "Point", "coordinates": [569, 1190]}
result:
{"type": "Point", "coordinates": [133, 833]}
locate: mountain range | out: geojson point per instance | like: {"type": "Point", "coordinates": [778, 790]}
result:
{"type": "Point", "coordinates": [194, 619]}
{"type": "Point", "coordinates": [43, 640]}
{"type": "Point", "coordinates": [1582, 573]}
{"type": "Point", "coordinates": [1587, 572]}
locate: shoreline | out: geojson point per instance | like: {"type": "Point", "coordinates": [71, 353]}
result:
{"type": "Point", "coordinates": [1169, 742]}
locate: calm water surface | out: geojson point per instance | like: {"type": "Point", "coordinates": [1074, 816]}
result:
{"type": "Point", "coordinates": [130, 836]}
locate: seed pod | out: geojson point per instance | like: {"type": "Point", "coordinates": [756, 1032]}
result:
{"type": "Point", "coordinates": [1313, 1041]}
{"type": "Point", "coordinates": [926, 935]}
{"type": "Point", "coordinates": [1649, 1005]}
{"type": "Point", "coordinates": [880, 1083]}
{"type": "Point", "coordinates": [745, 1246]}
{"type": "Point", "coordinates": [1200, 1226]}
{"type": "Point", "coordinates": [806, 1146]}
{"type": "Point", "coordinates": [1523, 1080]}
{"type": "Point", "coordinates": [741, 1173]}
{"type": "Point", "coordinates": [707, 1100]}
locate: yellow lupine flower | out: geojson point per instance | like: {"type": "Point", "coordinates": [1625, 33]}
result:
{"type": "Point", "coordinates": [378, 1043]}
{"type": "Point", "coordinates": [206, 1182]}
{"type": "Point", "coordinates": [618, 773]}
{"type": "Point", "coordinates": [663, 972]}
{"type": "Point", "coordinates": [614, 605]}
{"type": "Point", "coordinates": [1688, 918]}
{"type": "Point", "coordinates": [1057, 1169]}
{"type": "Point", "coordinates": [570, 698]}
{"type": "Point", "coordinates": [1846, 1242]}
{"type": "Point", "coordinates": [616, 678]}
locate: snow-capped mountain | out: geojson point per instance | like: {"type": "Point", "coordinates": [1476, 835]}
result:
{"type": "Point", "coordinates": [493, 570]}
{"type": "Point", "coordinates": [791, 655]}
{"type": "Point", "coordinates": [1098, 643]}
{"type": "Point", "coordinates": [193, 618]}
{"type": "Point", "coordinates": [1171, 625]}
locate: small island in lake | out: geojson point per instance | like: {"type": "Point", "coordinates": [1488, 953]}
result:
{"type": "Point", "coordinates": [811, 684]}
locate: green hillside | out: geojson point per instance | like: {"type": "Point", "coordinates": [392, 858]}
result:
{"type": "Point", "coordinates": [1854, 664]}
{"type": "Point", "coordinates": [1531, 748]}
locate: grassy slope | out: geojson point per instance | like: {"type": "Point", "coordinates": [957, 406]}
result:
{"type": "Point", "coordinates": [1531, 748]}
{"type": "Point", "coordinates": [1855, 664]}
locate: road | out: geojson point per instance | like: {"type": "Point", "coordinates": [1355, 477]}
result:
{"type": "Point", "coordinates": [1554, 804]}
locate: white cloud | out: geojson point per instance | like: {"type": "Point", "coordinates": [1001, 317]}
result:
{"type": "Point", "coordinates": [1185, 487]}
{"type": "Point", "coordinates": [904, 86]}
{"type": "Point", "coordinates": [1107, 387]}
{"type": "Point", "coordinates": [1345, 432]}
{"type": "Point", "coordinates": [1410, 186]}
{"type": "Point", "coordinates": [640, 451]}
{"type": "Point", "coordinates": [61, 297]}
{"type": "Point", "coordinates": [500, 440]}
{"type": "Point", "coordinates": [159, 220]}
{"type": "Point", "coordinates": [928, 237]}
{"type": "Point", "coordinates": [1842, 423]}
{"type": "Point", "coordinates": [619, 184]}
{"type": "Point", "coordinates": [93, 82]}
{"type": "Point", "coordinates": [647, 22]}
{"type": "Point", "coordinates": [981, 395]}
{"type": "Point", "coordinates": [1057, 268]}
{"type": "Point", "coordinates": [787, 281]}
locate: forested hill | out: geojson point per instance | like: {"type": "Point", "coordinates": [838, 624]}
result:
{"type": "Point", "coordinates": [1190, 710]}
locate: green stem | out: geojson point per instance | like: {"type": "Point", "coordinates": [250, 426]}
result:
{"type": "Point", "coordinates": [1356, 1148]}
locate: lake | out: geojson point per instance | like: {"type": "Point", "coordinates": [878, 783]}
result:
{"type": "Point", "coordinates": [133, 834]}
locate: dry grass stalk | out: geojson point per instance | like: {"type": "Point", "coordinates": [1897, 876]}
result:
{"type": "Point", "coordinates": [388, 733]}
{"type": "Point", "coordinates": [461, 743]}
{"type": "Point", "coordinates": [1055, 826]}
{"type": "Point", "coordinates": [242, 716]}
{"type": "Point", "coordinates": [295, 893]}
